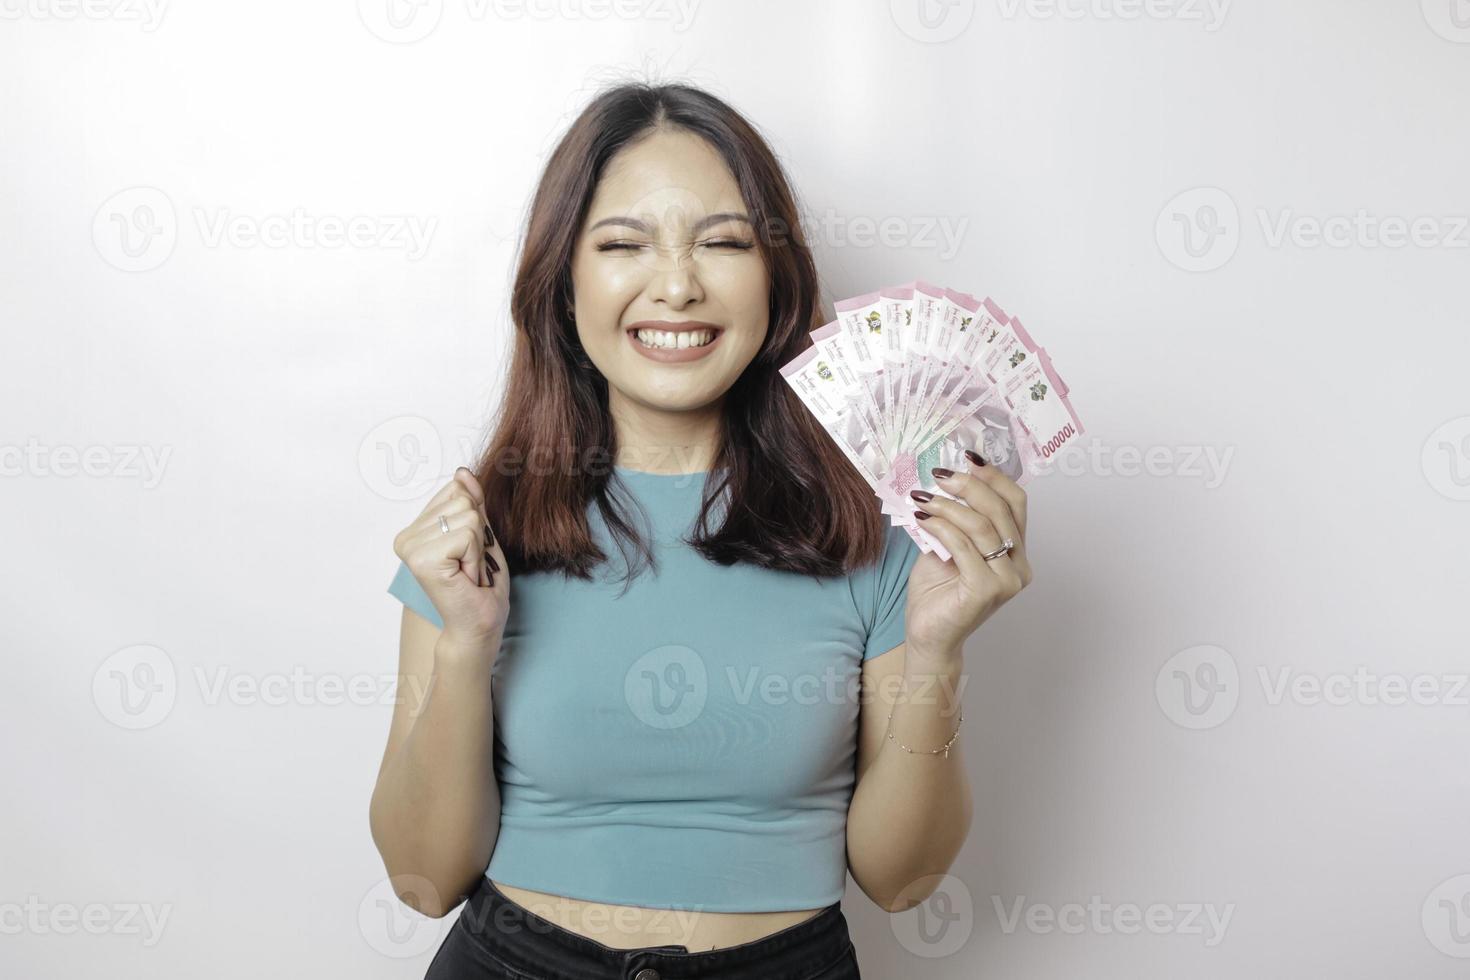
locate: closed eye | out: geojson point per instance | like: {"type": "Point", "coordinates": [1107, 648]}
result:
{"type": "Point", "coordinates": [733, 243]}
{"type": "Point", "coordinates": [728, 243]}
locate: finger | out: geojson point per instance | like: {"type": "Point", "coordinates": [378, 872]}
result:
{"type": "Point", "coordinates": [979, 496]}
{"type": "Point", "coordinates": [458, 501]}
{"type": "Point", "coordinates": [453, 486]}
{"type": "Point", "coordinates": [469, 552]}
{"type": "Point", "coordinates": [472, 484]}
{"type": "Point", "coordinates": [463, 483]}
{"type": "Point", "coordinates": [494, 556]}
{"type": "Point", "coordinates": [984, 536]}
{"type": "Point", "coordinates": [961, 547]}
{"type": "Point", "coordinates": [1009, 490]}
{"type": "Point", "coordinates": [976, 524]}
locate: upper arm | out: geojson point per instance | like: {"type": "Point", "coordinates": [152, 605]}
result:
{"type": "Point", "coordinates": [882, 592]}
{"type": "Point", "coordinates": [880, 683]}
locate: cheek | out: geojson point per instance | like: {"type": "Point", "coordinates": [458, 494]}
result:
{"type": "Point", "coordinates": [743, 291]}
{"type": "Point", "coordinates": [604, 289]}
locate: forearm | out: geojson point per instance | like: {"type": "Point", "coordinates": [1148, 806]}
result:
{"type": "Point", "coordinates": [435, 811]}
{"type": "Point", "coordinates": [911, 812]}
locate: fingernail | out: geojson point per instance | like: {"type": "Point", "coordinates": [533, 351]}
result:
{"type": "Point", "coordinates": [489, 535]}
{"type": "Point", "coordinates": [942, 472]}
{"type": "Point", "coordinates": [922, 496]}
{"type": "Point", "coordinates": [974, 457]}
{"type": "Point", "coordinates": [490, 560]}
{"type": "Point", "coordinates": [922, 515]}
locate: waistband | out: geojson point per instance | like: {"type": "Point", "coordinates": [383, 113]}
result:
{"type": "Point", "coordinates": [538, 947]}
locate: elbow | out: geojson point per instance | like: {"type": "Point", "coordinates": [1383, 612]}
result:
{"type": "Point", "coordinates": [421, 896]}
{"type": "Point", "coordinates": [431, 894]}
{"type": "Point", "coordinates": [900, 883]}
{"type": "Point", "coordinates": [915, 893]}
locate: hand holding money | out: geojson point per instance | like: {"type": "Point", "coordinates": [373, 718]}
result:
{"type": "Point", "coordinates": [910, 377]}
{"type": "Point", "coordinates": [948, 600]}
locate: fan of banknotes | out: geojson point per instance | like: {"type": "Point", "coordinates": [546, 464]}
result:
{"type": "Point", "coordinates": [909, 377]}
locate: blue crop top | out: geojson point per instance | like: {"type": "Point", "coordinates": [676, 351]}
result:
{"type": "Point", "coordinates": [691, 743]}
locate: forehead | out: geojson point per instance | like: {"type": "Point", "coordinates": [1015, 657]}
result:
{"type": "Point", "coordinates": [668, 178]}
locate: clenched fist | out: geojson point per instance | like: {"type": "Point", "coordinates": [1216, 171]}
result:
{"type": "Point", "coordinates": [452, 552]}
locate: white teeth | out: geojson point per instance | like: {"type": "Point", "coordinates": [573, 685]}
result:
{"type": "Point", "coordinates": [674, 340]}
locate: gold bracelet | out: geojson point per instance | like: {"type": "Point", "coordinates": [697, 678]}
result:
{"type": "Point", "coordinates": [943, 748]}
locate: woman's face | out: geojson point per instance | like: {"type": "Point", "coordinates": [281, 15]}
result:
{"type": "Point", "coordinates": [667, 247]}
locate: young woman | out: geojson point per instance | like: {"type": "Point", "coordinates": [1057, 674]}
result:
{"type": "Point", "coordinates": [664, 763]}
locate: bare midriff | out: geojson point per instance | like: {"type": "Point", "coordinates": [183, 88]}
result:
{"type": "Point", "coordinates": [634, 926]}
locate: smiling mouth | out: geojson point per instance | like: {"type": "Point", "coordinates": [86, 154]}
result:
{"type": "Point", "coordinates": [655, 339]}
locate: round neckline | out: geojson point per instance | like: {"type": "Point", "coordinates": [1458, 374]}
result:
{"type": "Point", "coordinates": [625, 471]}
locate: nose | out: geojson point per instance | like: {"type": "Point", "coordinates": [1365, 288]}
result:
{"type": "Point", "coordinates": [675, 282]}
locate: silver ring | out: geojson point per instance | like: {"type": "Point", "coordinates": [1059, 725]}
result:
{"type": "Point", "coordinates": [443, 524]}
{"type": "Point", "coordinates": [1004, 549]}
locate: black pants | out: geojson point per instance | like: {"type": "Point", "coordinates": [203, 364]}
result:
{"type": "Point", "coordinates": [498, 939]}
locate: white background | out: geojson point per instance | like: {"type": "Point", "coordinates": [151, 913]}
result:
{"type": "Point", "coordinates": [1140, 182]}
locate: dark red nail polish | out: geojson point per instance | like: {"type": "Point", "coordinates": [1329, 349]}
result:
{"type": "Point", "coordinates": [922, 515]}
{"type": "Point", "coordinates": [974, 457]}
{"type": "Point", "coordinates": [922, 496]}
{"type": "Point", "coordinates": [490, 560]}
{"type": "Point", "coordinates": [942, 472]}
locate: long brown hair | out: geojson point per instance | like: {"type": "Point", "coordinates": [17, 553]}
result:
{"type": "Point", "coordinates": [794, 502]}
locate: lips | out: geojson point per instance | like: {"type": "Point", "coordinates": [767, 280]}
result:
{"type": "Point", "coordinates": [674, 354]}
{"type": "Point", "coordinates": [673, 326]}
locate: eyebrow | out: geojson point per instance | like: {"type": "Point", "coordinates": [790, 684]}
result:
{"type": "Point", "coordinates": [700, 225]}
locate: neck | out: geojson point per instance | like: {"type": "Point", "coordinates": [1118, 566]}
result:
{"type": "Point", "coordinates": [658, 441]}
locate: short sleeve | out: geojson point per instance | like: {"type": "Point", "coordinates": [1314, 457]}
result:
{"type": "Point", "coordinates": [883, 591]}
{"type": "Point", "coordinates": [407, 590]}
